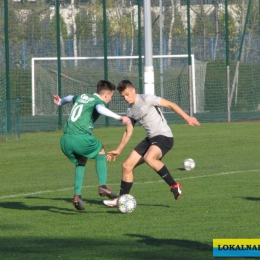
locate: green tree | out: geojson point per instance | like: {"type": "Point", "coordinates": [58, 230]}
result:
{"type": "Point", "coordinates": [178, 26]}
{"type": "Point", "coordinates": [250, 45]}
{"type": "Point", "coordinates": [84, 25]}
{"type": "Point", "coordinates": [240, 9]}
{"type": "Point", "coordinates": [203, 25]}
{"type": "Point", "coordinates": [15, 29]}
{"type": "Point", "coordinates": [203, 28]}
{"type": "Point", "coordinates": [89, 22]}
{"type": "Point", "coordinates": [177, 29]}
{"type": "Point", "coordinates": [33, 29]}
{"type": "Point", "coordinates": [232, 29]}
{"type": "Point", "coordinates": [254, 19]}
{"type": "Point", "coordinates": [53, 28]}
{"type": "Point", "coordinates": [172, 22]}
{"type": "Point", "coordinates": [155, 25]}
{"type": "Point", "coordinates": [121, 20]}
{"type": "Point", "coordinates": [232, 34]}
{"type": "Point", "coordinates": [63, 32]}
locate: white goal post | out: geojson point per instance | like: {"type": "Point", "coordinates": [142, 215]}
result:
{"type": "Point", "coordinates": [44, 77]}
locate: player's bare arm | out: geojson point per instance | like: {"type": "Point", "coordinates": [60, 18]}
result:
{"type": "Point", "coordinates": [125, 139]}
{"type": "Point", "coordinates": [192, 121]}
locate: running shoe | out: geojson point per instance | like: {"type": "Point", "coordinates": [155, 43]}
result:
{"type": "Point", "coordinates": [103, 190]}
{"type": "Point", "coordinates": [78, 203]}
{"type": "Point", "coordinates": [111, 203]}
{"type": "Point", "coordinates": [176, 190]}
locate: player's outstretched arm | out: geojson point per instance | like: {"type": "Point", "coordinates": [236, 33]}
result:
{"type": "Point", "coordinates": [107, 112]}
{"type": "Point", "coordinates": [125, 139]}
{"type": "Point", "coordinates": [125, 120]}
{"type": "Point", "coordinates": [56, 100]}
{"type": "Point", "coordinates": [62, 101]}
{"type": "Point", "coordinates": [192, 121]}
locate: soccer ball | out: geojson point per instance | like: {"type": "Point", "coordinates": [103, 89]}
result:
{"type": "Point", "coordinates": [126, 203]}
{"type": "Point", "coordinates": [188, 164]}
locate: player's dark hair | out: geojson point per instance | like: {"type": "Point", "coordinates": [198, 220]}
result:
{"type": "Point", "coordinates": [122, 85]}
{"type": "Point", "coordinates": [104, 85]}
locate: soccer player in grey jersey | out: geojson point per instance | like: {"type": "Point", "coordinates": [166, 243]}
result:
{"type": "Point", "coordinates": [145, 109]}
{"type": "Point", "coordinates": [78, 143]}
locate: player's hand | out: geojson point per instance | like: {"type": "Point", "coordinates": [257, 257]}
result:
{"type": "Point", "coordinates": [112, 155]}
{"type": "Point", "coordinates": [56, 100]}
{"type": "Point", "coordinates": [125, 120]}
{"type": "Point", "coordinates": [192, 121]}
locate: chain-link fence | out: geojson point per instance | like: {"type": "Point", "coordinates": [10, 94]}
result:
{"type": "Point", "coordinates": [32, 33]}
{"type": "Point", "coordinates": [9, 120]}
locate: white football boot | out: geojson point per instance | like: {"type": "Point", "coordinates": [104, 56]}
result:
{"type": "Point", "coordinates": [111, 203]}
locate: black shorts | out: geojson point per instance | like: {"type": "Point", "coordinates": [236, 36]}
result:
{"type": "Point", "coordinates": [163, 142]}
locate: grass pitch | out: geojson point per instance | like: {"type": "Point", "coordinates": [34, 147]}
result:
{"type": "Point", "coordinates": [220, 198]}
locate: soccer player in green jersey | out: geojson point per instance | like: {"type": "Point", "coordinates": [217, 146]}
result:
{"type": "Point", "coordinates": [78, 143]}
{"type": "Point", "coordinates": [145, 109]}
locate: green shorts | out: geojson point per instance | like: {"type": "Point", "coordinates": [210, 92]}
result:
{"type": "Point", "coordinates": [85, 145]}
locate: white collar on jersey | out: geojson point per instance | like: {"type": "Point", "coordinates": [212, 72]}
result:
{"type": "Point", "coordinates": [96, 94]}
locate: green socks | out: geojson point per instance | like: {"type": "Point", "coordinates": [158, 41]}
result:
{"type": "Point", "coordinates": [78, 181]}
{"type": "Point", "coordinates": [101, 169]}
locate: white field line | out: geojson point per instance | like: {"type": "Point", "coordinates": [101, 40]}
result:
{"type": "Point", "coordinates": [94, 186]}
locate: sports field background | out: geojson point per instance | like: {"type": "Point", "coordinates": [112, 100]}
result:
{"type": "Point", "coordinates": [220, 198]}
{"type": "Point", "coordinates": [29, 33]}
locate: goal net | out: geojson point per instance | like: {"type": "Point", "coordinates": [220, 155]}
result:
{"type": "Point", "coordinates": [80, 75]}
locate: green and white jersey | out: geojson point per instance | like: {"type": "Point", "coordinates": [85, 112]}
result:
{"type": "Point", "coordinates": [146, 110]}
{"type": "Point", "coordinates": [83, 114]}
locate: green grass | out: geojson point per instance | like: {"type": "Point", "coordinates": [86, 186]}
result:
{"type": "Point", "coordinates": [220, 199]}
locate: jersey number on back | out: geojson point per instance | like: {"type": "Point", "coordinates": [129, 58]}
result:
{"type": "Point", "coordinates": [76, 112]}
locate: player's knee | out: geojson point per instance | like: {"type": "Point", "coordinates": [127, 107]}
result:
{"type": "Point", "coordinates": [82, 161]}
{"type": "Point", "coordinates": [150, 161]}
{"type": "Point", "coordinates": [126, 167]}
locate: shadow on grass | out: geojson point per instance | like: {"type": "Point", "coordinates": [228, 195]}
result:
{"type": "Point", "coordinates": [23, 206]}
{"type": "Point", "coordinates": [154, 205]}
{"type": "Point", "coordinates": [61, 210]}
{"type": "Point", "coordinates": [148, 240]}
{"type": "Point", "coordinates": [69, 200]}
{"type": "Point", "coordinates": [131, 246]}
{"type": "Point", "coordinates": [252, 198]}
